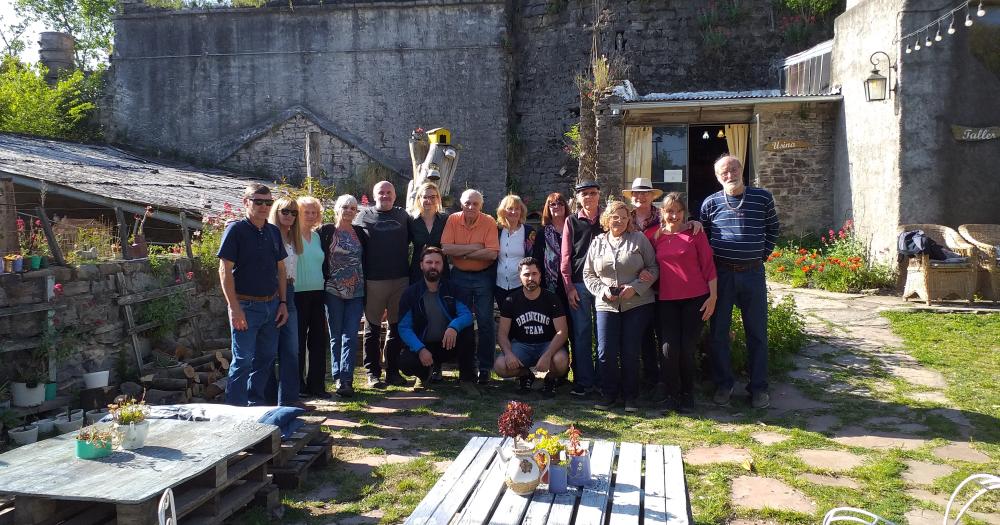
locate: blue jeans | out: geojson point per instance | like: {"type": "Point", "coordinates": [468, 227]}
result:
{"type": "Point", "coordinates": [284, 388]}
{"type": "Point", "coordinates": [748, 290]}
{"type": "Point", "coordinates": [584, 371]}
{"type": "Point", "coordinates": [479, 286]}
{"type": "Point", "coordinates": [254, 350]}
{"type": "Point", "coordinates": [345, 318]}
{"type": "Point", "coordinates": [618, 338]}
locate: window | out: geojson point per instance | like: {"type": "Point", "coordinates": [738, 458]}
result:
{"type": "Point", "coordinates": [670, 158]}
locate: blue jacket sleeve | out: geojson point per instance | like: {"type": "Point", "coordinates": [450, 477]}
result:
{"type": "Point", "coordinates": [462, 321]}
{"type": "Point", "coordinates": [406, 333]}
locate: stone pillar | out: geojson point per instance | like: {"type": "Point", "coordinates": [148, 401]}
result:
{"type": "Point", "coordinates": [8, 217]}
{"type": "Point", "coordinates": [55, 51]}
{"type": "Point", "coordinates": [610, 131]}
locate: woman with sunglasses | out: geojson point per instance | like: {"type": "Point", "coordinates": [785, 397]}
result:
{"type": "Point", "coordinates": [345, 289]}
{"type": "Point", "coordinates": [285, 389]}
{"type": "Point", "coordinates": [428, 222]}
{"type": "Point", "coordinates": [310, 300]}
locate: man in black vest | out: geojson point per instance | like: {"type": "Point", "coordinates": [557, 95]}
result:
{"type": "Point", "coordinates": [579, 230]}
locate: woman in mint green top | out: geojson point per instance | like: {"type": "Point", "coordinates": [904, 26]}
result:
{"type": "Point", "coordinates": [311, 301]}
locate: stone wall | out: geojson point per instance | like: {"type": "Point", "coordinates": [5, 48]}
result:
{"type": "Point", "coordinates": [800, 179]}
{"type": "Point", "coordinates": [87, 302]}
{"type": "Point", "coordinates": [200, 84]}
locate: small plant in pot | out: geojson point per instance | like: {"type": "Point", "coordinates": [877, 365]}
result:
{"type": "Point", "coordinates": [96, 441]}
{"type": "Point", "coordinates": [8, 420]}
{"type": "Point", "coordinates": [130, 417]}
{"type": "Point", "coordinates": [555, 450]}
{"type": "Point", "coordinates": [579, 460]}
{"type": "Point", "coordinates": [522, 474]}
{"type": "Point", "coordinates": [27, 388]}
{"type": "Point", "coordinates": [24, 434]}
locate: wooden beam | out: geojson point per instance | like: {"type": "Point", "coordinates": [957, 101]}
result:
{"type": "Point", "coordinates": [29, 308]}
{"type": "Point", "coordinates": [154, 294]}
{"type": "Point", "coordinates": [8, 217]}
{"type": "Point", "coordinates": [122, 233]}
{"type": "Point", "coordinates": [50, 236]}
{"type": "Point", "coordinates": [186, 234]}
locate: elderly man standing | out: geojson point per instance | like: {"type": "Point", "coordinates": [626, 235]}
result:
{"type": "Point", "coordinates": [386, 240]}
{"type": "Point", "coordinates": [742, 227]}
{"type": "Point", "coordinates": [470, 238]}
{"type": "Point", "coordinates": [578, 231]}
{"type": "Point", "coordinates": [251, 260]}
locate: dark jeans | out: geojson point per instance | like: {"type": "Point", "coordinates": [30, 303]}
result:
{"type": "Point", "coordinates": [254, 351]}
{"type": "Point", "coordinates": [680, 324]}
{"type": "Point", "coordinates": [584, 373]}
{"type": "Point", "coordinates": [748, 291]}
{"type": "Point", "coordinates": [479, 286]}
{"type": "Point", "coordinates": [616, 332]}
{"type": "Point", "coordinates": [463, 353]}
{"type": "Point", "coordinates": [651, 355]}
{"type": "Point", "coordinates": [313, 338]}
{"type": "Point", "coordinates": [283, 387]}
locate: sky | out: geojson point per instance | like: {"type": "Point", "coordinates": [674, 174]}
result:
{"type": "Point", "coordinates": [30, 36]}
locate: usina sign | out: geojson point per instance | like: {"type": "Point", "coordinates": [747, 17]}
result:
{"type": "Point", "coordinates": [965, 134]}
{"type": "Point", "coordinates": [782, 145]}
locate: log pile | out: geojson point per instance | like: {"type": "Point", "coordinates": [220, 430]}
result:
{"type": "Point", "coordinates": [186, 378]}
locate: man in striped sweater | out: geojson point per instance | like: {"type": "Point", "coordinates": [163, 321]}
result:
{"type": "Point", "coordinates": [742, 228]}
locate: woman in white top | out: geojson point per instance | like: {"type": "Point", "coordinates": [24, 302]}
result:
{"type": "Point", "coordinates": [310, 299]}
{"type": "Point", "coordinates": [517, 241]}
{"type": "Point", "coordinates": [285, 390]}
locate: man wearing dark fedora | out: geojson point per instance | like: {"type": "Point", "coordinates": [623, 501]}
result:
{"type": "Point", "coordinates": [578, 231]}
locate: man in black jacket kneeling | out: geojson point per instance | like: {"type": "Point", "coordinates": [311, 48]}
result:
{"type": "Point", "coordinates": [435, 323]}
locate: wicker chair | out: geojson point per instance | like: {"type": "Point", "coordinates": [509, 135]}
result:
{"type": "Point", "coordinates": [932, 280]}
{"type": "Point", "coordinates": [986, 239]}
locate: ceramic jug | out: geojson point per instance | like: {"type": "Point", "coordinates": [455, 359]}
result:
{"type": "Point", "coordinates": [522, 474]}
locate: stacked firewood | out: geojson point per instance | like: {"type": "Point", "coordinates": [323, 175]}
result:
{"type": "Point", "coordinates": [183, 377]}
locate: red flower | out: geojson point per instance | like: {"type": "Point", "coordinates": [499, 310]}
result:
{"type": "Point", "coordinates": [57, 289]}
{"type": "Point", "coordinates": [848, 224]}
{"type": "Point", "coordinates": [227, 208]}
{"type": "Point", "coordinates": [20, 224]}
{"type": "Point", "coordinates": [419, 130]}
{"type": "Point", "coordinates": [823, 238]}
{"type": "Point", "coordinates": [178, 280]}
{"type": "Point", "coordinates": [189, 275]}
{"type": "Point", "coordinates": [38, 222]}
{"type": "Point", "coordinates": [841, 234]}
{"type": "Point", "coordinates": [781, 268]}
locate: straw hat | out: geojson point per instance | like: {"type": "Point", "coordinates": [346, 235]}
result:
{"type": "Point", "coordinates": [642, 184]}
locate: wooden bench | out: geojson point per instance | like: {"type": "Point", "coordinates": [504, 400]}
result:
{"type": "Point", "coordinates": [214, 468]}
{"type": "Point", "coordinates": [629, 480]}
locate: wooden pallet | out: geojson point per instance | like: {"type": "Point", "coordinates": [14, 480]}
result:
{"type": "Point", "coordinates": [293, 473]}
{"type": "Point", "coordinates": [309, 433]}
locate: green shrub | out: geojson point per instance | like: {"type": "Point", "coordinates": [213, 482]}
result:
{"type": "Point", "coordinates": [785, 335]}
{"type": "Point", "coordinates": [29, 105]}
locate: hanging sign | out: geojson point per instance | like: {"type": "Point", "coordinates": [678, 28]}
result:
{"type": "Point", "coordinates": [966, 134]}
{"type": "Point", "coordinates": [782, 145]}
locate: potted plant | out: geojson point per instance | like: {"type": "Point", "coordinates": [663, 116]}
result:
{"type": "Point", "coordinates": [95, 441]}
{"type": "Point", "coordinates": [555, 451]}
{"type": "Point", "coordinates": [95, 415]}
{"type": "Point", "coordinates": [69, 421]}
{"type": "Point", "coordinates": [8, 419]}
{"type": "Point", "coordinates": [27, 390]}
{"type": "Point", "coordinates": [579, 460]}
{"type": "Point", "coordinates": [130, 418]}
{"type": "Point", "coordinates": [24, 434]}
{"type": "Point", "coordinates": [60, 343]}
{"type": "Point", "coordinates": [45, 425]}
{"type": "Point", "coordinates": [522, 474]}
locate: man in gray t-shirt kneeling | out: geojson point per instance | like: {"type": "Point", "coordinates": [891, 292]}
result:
{"type": "Point", "coordinates": [435, 323]}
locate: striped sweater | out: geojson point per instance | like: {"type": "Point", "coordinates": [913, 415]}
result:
{"type": "Point", "coordinates": [741, 233]}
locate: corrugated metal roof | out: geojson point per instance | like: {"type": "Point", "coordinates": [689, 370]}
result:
{"type": "Point", "coordinates": [107, 173]}
{"type": "Point", "coordinates": [631, 97]}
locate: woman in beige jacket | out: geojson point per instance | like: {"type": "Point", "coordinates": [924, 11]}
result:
{"type": "Point", "coordinates": [620, 268]}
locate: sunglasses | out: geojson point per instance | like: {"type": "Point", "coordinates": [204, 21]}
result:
{"type": "Point", "coordinates": [262, 202]}
{"type": "Point", "coordinates": [288, 211]}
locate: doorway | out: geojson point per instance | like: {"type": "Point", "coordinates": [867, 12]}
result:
{"type": "Point", "coordinates": [705, 145]}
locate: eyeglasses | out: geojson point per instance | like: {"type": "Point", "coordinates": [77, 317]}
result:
{"type": "Point", "coordinates": [262, 202]}
{"type": "Point", "coordinates": [557, 204]}
{"type": "Point", "coordinates": [591, 193]}
{"type": "Point", "coordinates": [288, 211]}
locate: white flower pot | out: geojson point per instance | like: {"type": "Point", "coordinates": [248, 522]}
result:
{"type": "Point", "coordinates": [134, 434]}
{"type": "Point", "coordinates": [45, 426]}
{"type": "Point", "coordinates": [77, 413]}
{"type": "Point", "coordinates": [27, 397]}
{"type": "Point", "coordinates": [64, 425]}
{"type": "Point", "coordinates": [96, 379]}
{"type": "Point", "coordinates": [24, 435]}
{"type": "Point", "coordinates": [93, 416]}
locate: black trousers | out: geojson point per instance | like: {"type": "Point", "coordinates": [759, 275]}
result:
{"type": "Point", "coordinates": [314, 338]}
{"type": "Point", "coordinates": [650, 355]}
{"type": "Point", "coordinates": [464, 353]}
{"type": "Point", "coordinates": [373, 353]}
{"type": "Point", "coordinates": [681, 327]}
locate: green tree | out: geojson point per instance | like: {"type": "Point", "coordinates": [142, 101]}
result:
{"type": "Point", "coordinates": [11, 33]}
{"type": "Point", "coordinates": [29, 105]}
{"type": "Point", "coordinates": [91, 22]}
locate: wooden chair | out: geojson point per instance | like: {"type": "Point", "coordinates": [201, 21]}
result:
{"type": "Point", "coordinates": [986, 239]}
{"type": "Point", "coordinates": [932, 280]}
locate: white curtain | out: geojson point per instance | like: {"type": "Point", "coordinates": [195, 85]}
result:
{"type": "Point", "coordinates": [736, 139]}
{"type": "Point", "coordinates": [638, 153]}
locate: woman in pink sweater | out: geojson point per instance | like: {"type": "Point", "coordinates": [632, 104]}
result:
{"type": "Point", "coordinates": [686, 297]}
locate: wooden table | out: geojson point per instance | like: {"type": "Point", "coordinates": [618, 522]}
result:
{"type": "Point", "coordinates": [210, 465]}
{"type": "Point", "coordinates": [472, 490]}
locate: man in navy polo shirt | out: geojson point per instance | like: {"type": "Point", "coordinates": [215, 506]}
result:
{"type": "Point", "coordinates": [251, 258]}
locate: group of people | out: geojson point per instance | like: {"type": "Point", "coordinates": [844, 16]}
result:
{"type": "Point", "coordinates": [643, 278]}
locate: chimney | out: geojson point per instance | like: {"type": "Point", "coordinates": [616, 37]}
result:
{"type": "Point", "coordinates": [56, 53]}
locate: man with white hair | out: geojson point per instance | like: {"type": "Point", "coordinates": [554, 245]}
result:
{"type": "Point", "coordinates": [470, 238]}
{"type": "Point", "coordinates": [742, 227]}
{"type": "Point", "coordinates": [386, 240]}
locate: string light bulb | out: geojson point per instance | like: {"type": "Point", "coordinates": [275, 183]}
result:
{"type": "Point", "coordinates": [927, 40]}
{"type": "Point", "coordinates": [980, 12]}
{"type": "Point", "coordinates": [908, 50]}
{"type": "Point", "coordinates": [968, 20]}
{"type": "Point", "coordinates": [937, 37]}
{"type": "Point", "coordinates": [916, 44]}
{"type": "Point", "coordinates": [951, 26]}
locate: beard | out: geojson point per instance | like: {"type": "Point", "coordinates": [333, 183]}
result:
{"type": "Point", "coordinates": [531, 286]}
{"type": "Point", "coordinates": [432, 276]}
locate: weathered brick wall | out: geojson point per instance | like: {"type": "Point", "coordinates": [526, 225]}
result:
{"type": "Point", "coordinates": [88, 298]}
{"type": "Point", "coordinates": [280, 152]}
{"type": "Point", "coordinates": [800, 179]}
